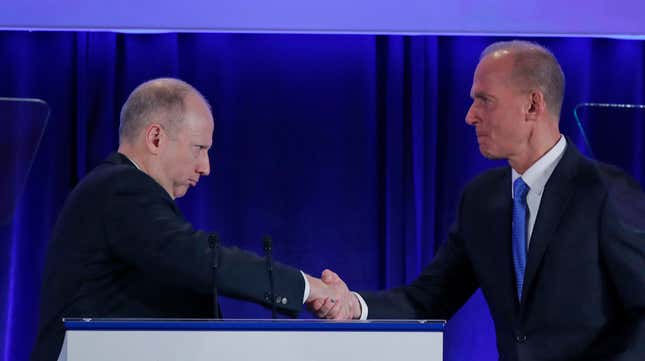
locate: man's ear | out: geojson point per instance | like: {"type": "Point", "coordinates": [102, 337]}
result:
{"type": "Point", "coordinates": [536, 105]}
{"type": "Point", "coordinates": [154, 137]}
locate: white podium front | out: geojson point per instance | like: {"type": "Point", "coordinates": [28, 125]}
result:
{"type": "Point", "coordinates": [280, 340]}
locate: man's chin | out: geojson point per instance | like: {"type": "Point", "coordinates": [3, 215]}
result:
{"type": "Point", "coordinates": [488, 154]}
{"type": "Point", "coordinates": [180, 192]}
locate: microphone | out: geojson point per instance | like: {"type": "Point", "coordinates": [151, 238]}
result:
{"type": "Point", "coordinates": [213, 243]}
{"type": "Point", "coordinates": [267, 252]}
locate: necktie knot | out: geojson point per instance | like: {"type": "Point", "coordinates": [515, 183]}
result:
{"type": "Point", "coordinates": [520, 189]}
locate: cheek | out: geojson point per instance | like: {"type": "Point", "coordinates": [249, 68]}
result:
{"type": "Point", "coordinates": [502, 125]}
{"type": "Point", "coordinates": [181, 168]}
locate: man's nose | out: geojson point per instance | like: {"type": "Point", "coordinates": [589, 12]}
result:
{"type": "Point", "coordinates": [204, 166]}
{"type": "Point", "coordinates": [471, 119]}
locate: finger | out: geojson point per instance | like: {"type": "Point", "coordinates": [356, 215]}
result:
{"type": "Point", "coordinates": [331, 276]}
{"type": "Point", "coordinates": [328, 276]}
{"type": "Point", "coordinates": [341, 314]}
{"type": "Point", "coordinates": [325, 308]}
{"type": "Point", "coordinates": [316, 304]}
{"type": "Point", "coordinates": [336, 311]}
{"type": "Point", "coordinates": [344, 312]}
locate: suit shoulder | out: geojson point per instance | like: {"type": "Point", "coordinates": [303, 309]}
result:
{"type": "Point", "coordinates": [118, 176]}
{"type": "Point", "coordinates": [107, 179]}
{"type": "Point", "coordinates": [606, 176]}
{"type": "Point", "coordinates": [623, 195]}
{"type": "Point", "coordinates": [488, 180]}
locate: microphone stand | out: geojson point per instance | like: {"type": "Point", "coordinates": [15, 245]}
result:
{"type": "Point", "coordinates": [269, 261]}
{"type": "Point", "coordinates": [213, 243]}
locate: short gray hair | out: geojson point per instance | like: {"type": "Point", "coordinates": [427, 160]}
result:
{"type": "Point", "coordinates": [159, 100]}
{"type": "Point", "coordinates": [534, 67]}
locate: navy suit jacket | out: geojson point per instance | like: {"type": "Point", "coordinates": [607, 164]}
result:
{"type": "Point", "coordinates": [121, 248]}
{"type": "Point", "coordinates": [584, 289]}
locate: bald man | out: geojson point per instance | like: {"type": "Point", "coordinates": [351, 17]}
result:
{"type": "Point", "coordinates": [121, 247]}
{"type": "Point", "coordinates": [555, 241]}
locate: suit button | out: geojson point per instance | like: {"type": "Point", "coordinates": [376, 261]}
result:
{"type": "Point", "coordinates": [520, 338]}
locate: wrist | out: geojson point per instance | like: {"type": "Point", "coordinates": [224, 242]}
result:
{"type": "Point", "coordinates": [356, 307]}
{"type": "Point", "coordinates": [316, 287]}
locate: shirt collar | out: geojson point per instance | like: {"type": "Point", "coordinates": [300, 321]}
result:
{"type": "Point", "coordinates": [133, 162]}
{"type": "Point", "coordinates": [538, 174]}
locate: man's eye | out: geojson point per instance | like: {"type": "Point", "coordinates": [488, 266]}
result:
{"type": "Point", "coordinates": [484, 100]}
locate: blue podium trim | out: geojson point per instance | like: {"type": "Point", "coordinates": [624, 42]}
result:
{"type": "Point", "coordinates": [89, 324]}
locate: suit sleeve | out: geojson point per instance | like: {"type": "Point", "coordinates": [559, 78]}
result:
{"type": "Point", "coordinates": [441, 289]}
{"type": "Point", "coordinates": [623, 251]}
{"type": "Point", "coordinates": [146, 231]}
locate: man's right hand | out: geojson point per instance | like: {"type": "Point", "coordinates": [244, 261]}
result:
{"type": "Point", "coordinates": [341, 304]}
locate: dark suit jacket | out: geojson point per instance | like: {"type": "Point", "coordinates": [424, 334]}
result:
{"type": "Point", "coordinates": [584, 287]}
{"type": "Point", "coordinates": [121, 248]}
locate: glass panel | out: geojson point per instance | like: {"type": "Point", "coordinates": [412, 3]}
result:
{"type": "Point", "coordinates": [615, 134]}
{"type": "Point", "coordinates": [23, 123]}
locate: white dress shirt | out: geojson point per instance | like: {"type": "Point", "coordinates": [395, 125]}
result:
{"type": "Point", "coordinates": [536, 178]}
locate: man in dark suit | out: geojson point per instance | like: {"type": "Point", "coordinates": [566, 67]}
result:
{"type": "Point", "coordinates": [556, 241]}
{"type": "Point", "coordinates": [121, 247]}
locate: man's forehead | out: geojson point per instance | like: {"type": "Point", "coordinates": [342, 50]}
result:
{"type": "Point", "coordinates": [499, 61]}
{"type": "Point", "coordinates": [196, 101]}
{"type": "Point", "coordinates": [198, 124]}
{"type": "Point", "coordinates": [493, 70]}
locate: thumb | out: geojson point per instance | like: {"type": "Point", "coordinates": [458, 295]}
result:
{"type": "Point", "coordinates": [329, 276]}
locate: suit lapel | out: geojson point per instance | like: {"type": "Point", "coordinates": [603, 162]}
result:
{"type": "Point", "coordinates": [498, 222]}
{"type": "Point", "coordinates": [555, 200]}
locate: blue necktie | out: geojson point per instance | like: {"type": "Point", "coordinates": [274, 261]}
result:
{"type": "Point", "coordinates": [520, 189]}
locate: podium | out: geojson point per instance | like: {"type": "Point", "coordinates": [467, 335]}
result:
{"type": "Point", "coordinates": [228, 340]}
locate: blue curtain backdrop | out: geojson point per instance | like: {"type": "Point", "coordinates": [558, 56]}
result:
{"type": "Point", "coordinates": [349, 150]}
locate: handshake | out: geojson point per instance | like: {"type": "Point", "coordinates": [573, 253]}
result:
{"type": "Point", "coordinates": [330, 298]}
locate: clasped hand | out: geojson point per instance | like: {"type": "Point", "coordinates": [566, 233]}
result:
{"type": "Point", "coordinates": [330, 298]}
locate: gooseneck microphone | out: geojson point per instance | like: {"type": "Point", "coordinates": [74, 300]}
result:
{"type": "Point", "coordinates": [213, 243]}
{"type": "Point", "coordinates": [269, 261]}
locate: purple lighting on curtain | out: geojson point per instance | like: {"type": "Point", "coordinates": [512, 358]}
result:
{"type": "Point", "coordinates": [429, 17]}
{"type": "Point", "coordinates": [11, 296]}
{"type": "Point", "coordinates": [350, 150]}
{"type": "Point", "coordinates": [417, 83]}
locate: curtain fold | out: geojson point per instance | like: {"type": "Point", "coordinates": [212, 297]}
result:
{"type": "Point", "coordinates": [350, 150]}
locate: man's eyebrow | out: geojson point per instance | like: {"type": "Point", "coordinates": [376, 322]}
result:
{"type": "Point", "coordinates": [481, 95]}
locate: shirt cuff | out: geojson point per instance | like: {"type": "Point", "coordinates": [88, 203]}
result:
{"type": "Point", "coordinates": [361, 301]}
{"type": "Point", "coordinates": [307, 289]}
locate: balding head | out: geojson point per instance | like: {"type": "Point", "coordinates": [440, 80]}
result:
{"type": "Point", "coordinates": [534, 67]}
{"type": "Point", "coordinates": [166, 131]}
{"type": "Point", "coordinates": [159, 101]}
